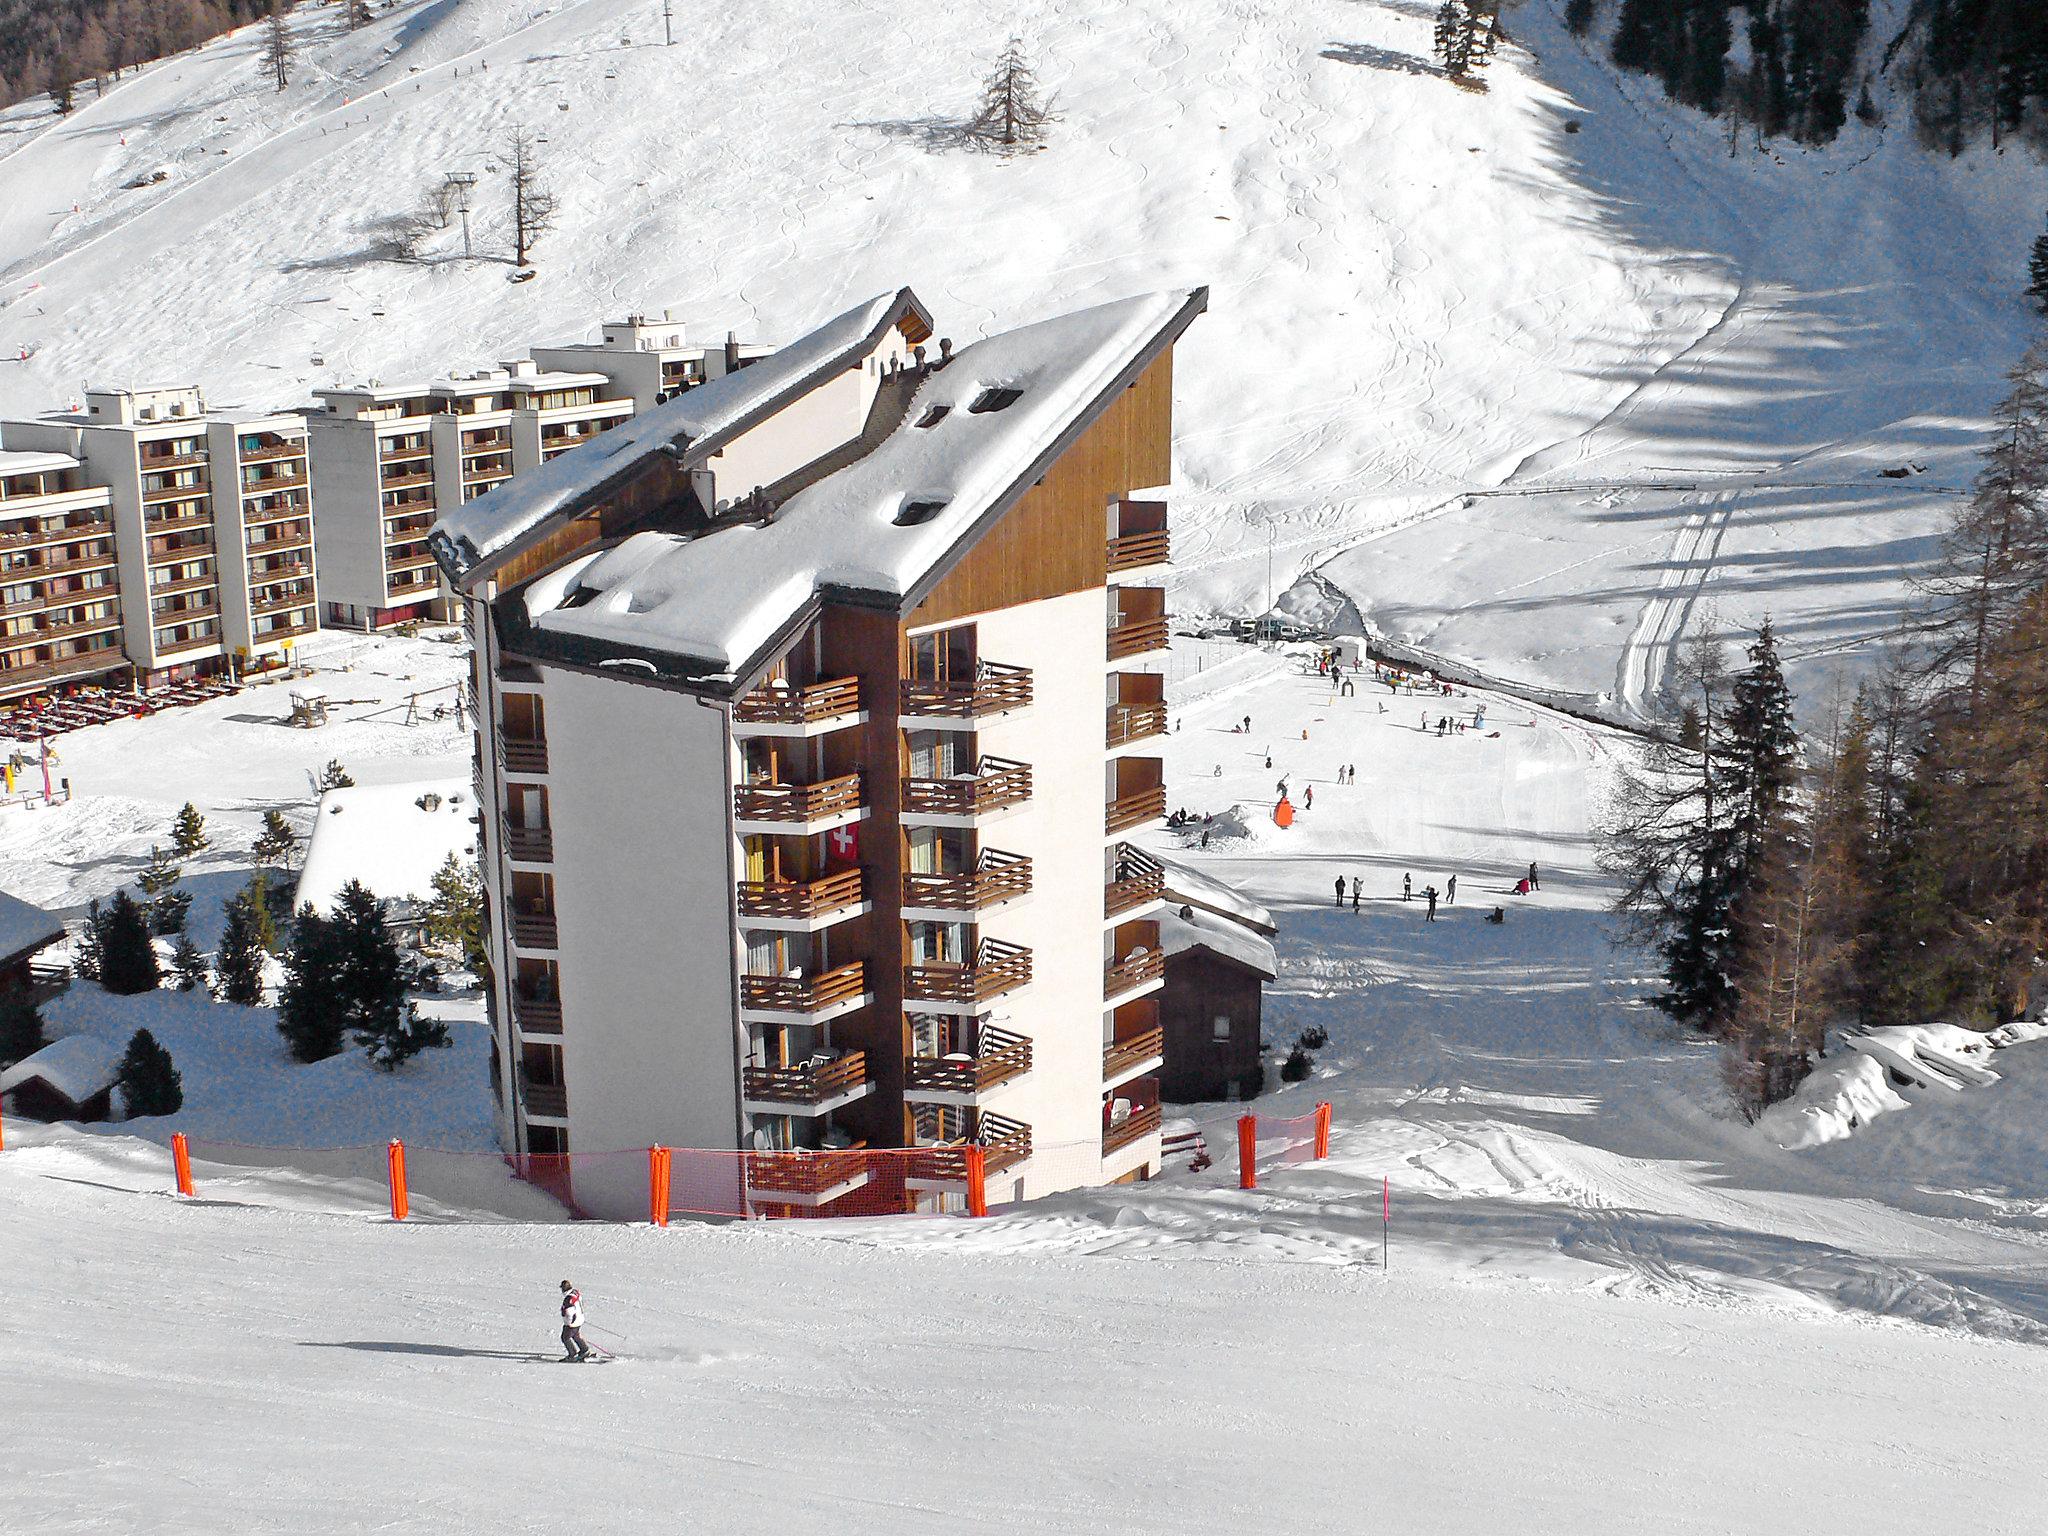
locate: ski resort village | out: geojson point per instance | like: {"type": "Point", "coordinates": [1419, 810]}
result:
{"type": "Point", "coordinates": [1096, 768]}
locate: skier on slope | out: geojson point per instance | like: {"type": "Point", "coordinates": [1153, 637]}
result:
{"type": "Point", "coordinates": [572, 1324]}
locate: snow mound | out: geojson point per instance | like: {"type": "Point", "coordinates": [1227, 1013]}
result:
{"type": "Point", "coordinates": [1846, 1093]}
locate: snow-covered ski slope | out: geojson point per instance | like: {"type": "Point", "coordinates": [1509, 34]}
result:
{"type": "Point", "coordinates": [1535, 378]}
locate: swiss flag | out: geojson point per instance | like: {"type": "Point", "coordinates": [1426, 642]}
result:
{"type": "Point", "coordinates": [843, 844]}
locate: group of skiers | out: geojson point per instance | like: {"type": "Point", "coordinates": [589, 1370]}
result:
{"type": "Point", "coordinates": [1431, 895]}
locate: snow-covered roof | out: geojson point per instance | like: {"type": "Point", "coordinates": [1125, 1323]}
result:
{"type": "Point", "coordinates": [78, 1066]}
{"type": "Point", "coordinates": [1223, 936]}
{"type": "Point", "coordinates": [1188, 886]}
{"type": "Point", "coordinates": [25, 927]}
{"type": "Point", "coordinates": [557, 378]}
{"type": "Point", "coordinates": [717, 597]}
{"type": "Point", "coordinates": [25, 462]}
{"type": "Point", "coordinates": [391, 837]}
{"type": "Point", "coordinates": [466, 536]}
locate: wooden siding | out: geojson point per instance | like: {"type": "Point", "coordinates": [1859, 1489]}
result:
{"type": "Point", "coordinates": [1054, 540]}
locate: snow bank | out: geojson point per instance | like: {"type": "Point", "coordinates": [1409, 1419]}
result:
{"type": "Point", "coordinates": [1846, 1092]}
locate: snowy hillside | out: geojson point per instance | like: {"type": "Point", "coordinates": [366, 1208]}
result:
{"type": "Point", "coordinates": [1525, 376]}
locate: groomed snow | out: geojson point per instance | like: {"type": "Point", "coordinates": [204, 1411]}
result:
{"type": "Point", "coordinates": [391, 837]}
{"type": "Point", "coordinates": [719, 597]}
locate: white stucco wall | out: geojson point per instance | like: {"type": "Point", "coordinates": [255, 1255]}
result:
{"type": "Point", "coordinates": [348, 528]}
{"type": "Point", "coordinates": [809, 428]}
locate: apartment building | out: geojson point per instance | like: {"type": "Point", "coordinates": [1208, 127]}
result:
{"type": "Point", "coordinates": [60, 589]}
{"type": "Point", "coordinates": [649, 361]}
{"type": "Point", "coordinates": [815, 718]}
{"type": "Point", "coordinates": [211, 518]}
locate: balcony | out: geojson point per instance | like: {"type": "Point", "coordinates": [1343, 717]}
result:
{"type": "Point", "coordinates": [1134, 810]}
{"type": "Point", "coordinates": [1141, 1122]}
{"type": "Point", "coordinates": [295, 449]}
{"type": "Point", "coordinates": [1123, 1060]}
{"type": "Point", "coordinates": [1004, 1144]}
{"type": "Point", "coordinates": [265, 485]}
{"type": "Point", "coordinates": [157, 463]}
{"type": "Point", "coordinates": [996, 784]}
{"type": "Point", "coordinates": [804, 904]}
{"type": "Point", "coordinates": [406, 481]}
{"type": "Point", "coordinates": [807, 999]}
{"type": "Point", "coordinates": [63, 627]}
{"type": "Point", "coordinates": [548, 1100]}
{"type": "Point", "coordinates": [997, 878]}
{"type": "Point", "coordinates": [530, 845]}
{"type": "Point", "coordinates": [1135, 722]}
{"type": "Point", "coordinates": [815, 1087]}
{"type": "Point", "coordinates": [1140, 968]}
{"type": "Point", "coordinates": [158, 522]}
{"type": "Point", "coordinates": [526, 755]}
{"type": "Point", "coordinates": [1130, 637]}
{"type": "Point", "coordinates": [278, 602]}
{"type": "Point", "coordinates": [173, 554]}
{"type": "Point", "coordinates": [165, 495]}
{"type": "Point", "coordinates": [778, 710]}
{"type": "Point", "coordinates": [87, 664]}
{"type": "Point", "coordinates": [395, 451]}
{"type": "Point", "coordinates": [804, 1178]}
{"type": "Point", "coordinates": [812, 807]}
{"type": "Point", "coordinates": [961, 1078]}
{"type": "Point", "coordinates": [996, 689]}
{"type": "Point", "coordinates": [537, 1016]}
{"type": "Point", "coordinates": [996, 969]}
{"type": "Point", "coordinates": [92, 528]}
{"type": "Point", "coordinates": [1132, 551]}
{"type": "Point", "coordinates": [535, 932]}
{"type": "Point", "coordinates": [1139, 880]}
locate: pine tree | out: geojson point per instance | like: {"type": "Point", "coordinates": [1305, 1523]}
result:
{"type": "Point", "coordinates": [391, 1048]}
{"type": "Point", "coordinates": [128, 961]}
{"type": "Point", "coordinates": [372, 976]}
{"type": "Point", "coordinates": [167, 904]}
{"type": "Point", "coordinates": [85, 948]}
{"type": "Point", "coordinates": [278, 53]}
{"type": "Point", "coordinates": [238, 964]}
{"type": "Point", "coordinates": [1762, 743]}
{"type": "Point", "coordinates": [312, 1014]}
{"type": "Point", "coordinates": [2037, 274]}
{"type": "Point", "coordinates": [264, 909]}
{"type": "Point", "coordinates": [1013, 114]}
{"type": "Point", "coordinates": [21, 1026]}
{"type": "Point", "coordinates": [188, 832]}
{"type": "Point", "coordinates": [333, 776]}
{"type": "Point", "coordinates": [150, 1083]}
{"type": "Point", "coordinates": [188, 966]}
{"type": "Point", "coordinates": [455, 913]}
{"type": "Point", "coordinates": [277, 842]}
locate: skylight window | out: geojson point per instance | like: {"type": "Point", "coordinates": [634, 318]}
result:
{"type": "Point", "coordinates": [918, 511]}
{"type": "Point", "coordinates": [995, 400]}
{"type": "Point", "coordinates": [935, 415]}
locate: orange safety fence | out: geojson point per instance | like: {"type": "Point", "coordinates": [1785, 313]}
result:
{"type": "Point", "coordinates": [1268, 1141]}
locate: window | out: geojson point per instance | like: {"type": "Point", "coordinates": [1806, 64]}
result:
{"type": "Point", "coordinates": [995, 400]}
{"type": "Point", "coordinates": [917, 511]}
{"type": "Point", "coordinates": [935, 415]}
{"type": "Point", "coordinates": [1222, 1026]}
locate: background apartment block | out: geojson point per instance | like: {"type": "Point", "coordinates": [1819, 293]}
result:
{"type": "Point", "coordinates": [60, 590]}
{"type": "Point", "coordinates": [808, 787]}
{"type": "Point", "coordinates": [648, 361]}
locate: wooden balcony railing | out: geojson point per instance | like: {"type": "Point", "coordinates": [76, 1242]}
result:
{"type": "Point", "coordinates": [998, 877]}
{"type": "Point", "coordinates": [1004, 1144]}
{"type": "Point", "coordinates": [1139, 879]}
{"type": "Point", "coordinates": [535, 845]}
{"type": "Point", "coordinates": [1141, 1122]}
{"type": "Point", "coordinates": [534, 932]}
{"type": "Point", "coordinates": [537, 1016]}
{"type": "Point", "coordinates": [1130, 810]}
{"type": "Point", "coordinates": [64, 627]}
{"type": "Point", "coordinates": [157, 463]}
{"type": "Point", "coordinates": [21, 537]}
{"type": "Point", "coordinates": [797, 803]}
{"type": "Point", "coordinates": [803, 1175]}
{"type": "Point", "coordinates": [798, 899]}
{"type": "Point", "coordinates": [1133, 637]}
{"type": "Point", "coordinates": [86, 664]}
{"type": "Point", "coordinates": [804, 994]}
{"type": "Point", "coordinates": [996, 969]}
{"type": "Point", "coordinates": [166, 494]}
{"type": "Point", "coordinates": [270, 451]}
{"type": "Point", "coordinates": [278, 602]}
{"type": "Point", "coordinates": [1121, 1056]}
{"type": "Point", "coordinates": [1135, 722]}
{"type": "Point", "coordinates": [1129, 550]}
{"type": "Point", "coordinates": [1134, 970]}
{"type": "Point", "coordinates": [808, 1085]}
{"type": "Point", "coordinates": [398, 451]}
{"type": "Point", "coordinates": [774, 704]}
{"type": "Point", "coordinates": [519, 754]}
{"type": "Point", "coordinates": [995, 688]}
{"type": "Point", "coordinates": [407, 480]}
{"type": "Point", "coordinates": [996, 783]}
{"type": "Point", "coordinates": [549, 1099]}
{"type": "Point", "coordinates": [265, 485]}
{"type": "Point", "coordinates": [1002, 1056]}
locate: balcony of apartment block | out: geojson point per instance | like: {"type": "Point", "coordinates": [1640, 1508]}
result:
{"type": "Point", "coordinates": [1137, 625]}
{"type": "Point", "coordinates": [545, 1101]}
{"type": "Point", "coordinates": [536, 1013]}
{"type": "Point", "coordinates": [814, 1087]}
{"type": "Point", "coordinates": [281, 600]}
{"type": "Point", "coordinates": [1137, 965]}
{"type": "Point", "coordinates": [1137, 712]}
{"type": "Point", "coordinates": [977, 1062]}
{"type": "Point", "coordinates": [808, 1179]}
{"type": "Point", "coordinates": [995, 785]}
{"type": "Point", "coordinates": [1004, 1143]}
{"type": "Point", "coordinates": [405, 479]}
{"type": "Point", "coordinates": [175, 552]}
{"type": "Point", "coordinates": [57, 669]}
{"type": "Point", "coordinates": [407, 527]}
{"type": "Point", "coordinates": [165, 495]}
{"type": "Point", "coordinates": [261, 515]}
{"type": "Point", "coordinates": [62, 629]}
{"type": "Point", "coordinates": [534, 930]}
{"type": "Point", "coordinates": [767, 808]}
{"type": "Point", "coordinates": [169, 645]}
{"type": "Point", "coordinates": [58, 532]}
{"type": "Point", "coordinates": [392, 453]}
{"type": "Point", "coordinates": [190, 583]}
{"type": "Point", "coordinates": [274, 566]}
{"type": "Point", "coordinates": [803, 906]}
{"type": "Point", "coordinates": [190, 517]}
{"type": "Point", "coordinates": [995, 689]}
{"type": "Point", "coordinates": [951, 986]}
{"type": "Point", "coordinates": [186, 613]}
{"type": "Point", "coordinates": [1131, 1116]}
{"type": "Point", "coordinates": [815, 709]}
{"type": "Point", "coordinates": [530, 845]}
{"type": "Point", "coordinates": [1136, 881]}
{"type": "Point", "coordinates": [158, 463]}
{"type": "Point", "coordinates": [805, 999]}
{"type": "Point", "coordinates": [269, 453]}
{"type": "Point", "coordinates": [524, 755]}
{"type": "Point", "coordinates": [1137, 1043]}
{"type": "Point", "coordinates": [996, 879]}
{"type": "Point", "coordinates": [1140, 546]}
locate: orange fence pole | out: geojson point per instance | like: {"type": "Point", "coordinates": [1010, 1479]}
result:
{"type": "Point", "coordinates": [1247, 1151]}
{"type": "Point", "coordinates": [657, 1185]}
{"type": "Point", "coordinates": [977, 1181]}
{"type": "Point", "coordinates": [3, 1133]}
{"type": "Point", "coordinates": [401, 1207]}
{"type": "Point", "coordinates": [1322, 1131]}
{"type": "Point", "coordinates": [181, 1162]}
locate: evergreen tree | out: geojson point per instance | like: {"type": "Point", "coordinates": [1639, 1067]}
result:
{"type": "Point", "coordinates": [1762, 744]}
{"type": "Point", "coordinates": [150, 1084]}
{"type": "Point", "coordinates": [238, 964]}
{"type": "Point", "coordinates": [167, 904]}
{"type": "Point", "coordinates": [277, 841]}
{"type": "Point", "coordinates": [312, 1014]}
{"type": "Point", "coordinates": [188, 832]}
{"type": "Point", "coordinates": [85, 948]}
{"type": "Point", "coordinates": [391, 1048]}
{"type": "Point", "coordinates": [128, 961]}
{"type": "Point", "coordinates": [372, 975]}
{"type": "Point", "coordinates": [263, 905]}
{"type": "Point", "coordinates": [1013, 114]}
{"type": "Point", "coordinates": [2037, 274]}
{"type": "Point", "coordinates": [21, 1026]}
{"type": "Point", "coordinates": [333, 776]}
{"type": "Point", "coordinates": [188, 966]}
{"type": "Point", "coordinates": [455, 913]}
{"type": "Point", "coordinates": [1578, 16]}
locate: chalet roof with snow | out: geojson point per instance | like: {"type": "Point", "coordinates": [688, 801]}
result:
{"type": "Point", "coordinates": [25, 928]}
{"type": "Point", "coordinates": [878, 521]}
{"type": "Point", "coordinates": [1185, 927]}
{"type": "Point", "coordinates": [1187, 886]}
{"type": "Point", "coordinates": [391, 837]}
{"type": "Point", "coordinates": [78, 1068]}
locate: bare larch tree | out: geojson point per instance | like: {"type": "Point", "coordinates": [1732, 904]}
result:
{"type": "Point", "coordinates": [533, 204]}
{"type": "Point", "coordinates": [1014, 113]}
{"type": "Point", "coordinates": [278, 52]}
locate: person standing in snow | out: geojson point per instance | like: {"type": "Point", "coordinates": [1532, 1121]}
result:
{"type": "Point", "coordinates": [1429, 895]}
{"type": "Point", "coordinates": [1534, 883]}
{"type": "Point", "coordinates": [1451, 891]}
{"type": "Point", "coordinates": [1407, 887]}
{"type": "Point", "coordinates": [1357, 886]}
{"type": "Point", "coordinates": [572, 1324]}
{"type": "Point", "coordinates": [1340, 890]}
{"type": "Point", "coordinates": [1308, 798]}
